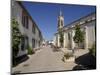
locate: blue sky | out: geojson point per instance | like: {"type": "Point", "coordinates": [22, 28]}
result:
{"type": "Point", "coordinates": [45, 15]}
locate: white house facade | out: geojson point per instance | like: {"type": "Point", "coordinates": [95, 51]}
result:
{"type": "Point", "coordinates": [28, 28]}
{"type": "Point", "coordinates": [87, 24]}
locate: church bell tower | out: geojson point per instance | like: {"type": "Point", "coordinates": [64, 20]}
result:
{"type": "Point", "coordinates": [60, 21]}
{"type": "Point", "coordinates": [60, 35]}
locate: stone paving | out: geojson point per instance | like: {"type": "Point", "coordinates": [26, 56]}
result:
{"type": "Point", "coordinates": [46, 60]}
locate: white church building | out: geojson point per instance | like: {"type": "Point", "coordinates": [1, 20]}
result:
{"type": "Point", "coordinates": [87, 24]}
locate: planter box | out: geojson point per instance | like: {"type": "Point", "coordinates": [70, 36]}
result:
{"type": "Point", "coordinates": [70, 59]}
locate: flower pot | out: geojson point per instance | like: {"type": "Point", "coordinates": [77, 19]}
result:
{"type": "Point", "coordinates": [70, 59]}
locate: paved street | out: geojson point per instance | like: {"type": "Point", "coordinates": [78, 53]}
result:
{"type": "Point", "coordinates": [44, 60]}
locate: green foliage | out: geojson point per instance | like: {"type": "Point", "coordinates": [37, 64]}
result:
{"type": "Point", "coordinates": [16, 38]}
{"type": "Point", "coordinates": [30, 50]}
{"type": "Point", "coordinates": [61, 37]}
{"type": "Point", "coordinates": [79, 35]}
{"type": "Point", "coordinates": [93, 50]}
{"type": "Point", "coordinates": [16, 35]}
{"type": "Point", "coordinates": [68, 55]}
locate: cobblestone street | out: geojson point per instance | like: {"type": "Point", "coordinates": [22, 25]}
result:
{"type": "Point", "coordinates": [45, 60]}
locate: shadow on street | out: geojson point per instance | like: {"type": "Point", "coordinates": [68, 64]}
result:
{"type": "Point", "coordinates": [21, 59]}
{"type": "Point", "coordinates": [85, 62]}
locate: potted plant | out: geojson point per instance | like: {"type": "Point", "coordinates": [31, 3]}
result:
{"type": "Point", "coordinates": [68, 57]}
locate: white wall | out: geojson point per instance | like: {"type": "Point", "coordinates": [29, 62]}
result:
{"type": "Point", "coordinates": [17, 14]}
{"type": "Point", "coordinates": [91, 33]}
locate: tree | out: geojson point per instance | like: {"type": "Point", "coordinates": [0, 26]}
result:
{"type": "Point", "coordinates": [61, 37]}
{"type": "Point", "coordinates": [16, 38]}
{"type": "Point", "coordinates": [79, 35]}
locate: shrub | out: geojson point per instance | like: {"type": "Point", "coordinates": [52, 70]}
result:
{"type": "Point", "coordinates": [30, 50]}
{"type": "Point", "coordinates": [68, 55]}
{"type": "Point", "coordinates": [92, 50]}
